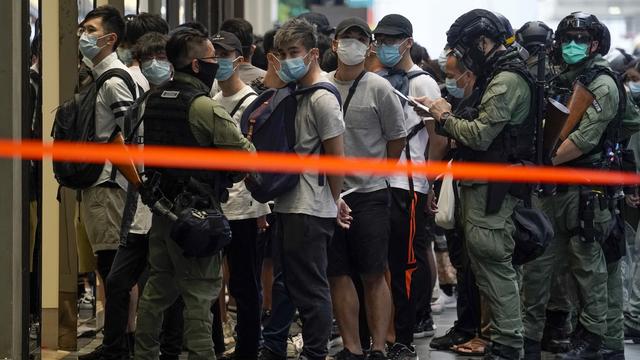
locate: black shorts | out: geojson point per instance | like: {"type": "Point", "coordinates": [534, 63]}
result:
{"type": "Point", "coordinates": [363, 248]}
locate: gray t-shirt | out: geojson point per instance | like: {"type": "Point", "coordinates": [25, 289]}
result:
{"type": "Point", "coordinates": [249, 73]}
{"type": "Point", "coordinates": [374, 117]}
{"type": "Point", "coordinates": [318, 118]}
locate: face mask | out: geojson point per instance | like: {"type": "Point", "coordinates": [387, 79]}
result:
{"type": "Point", "coordinates": [634, 88]}
{"type": "Point", "coordinates": [88, 45]}
{"type": "Point", "coordinates": [293, 69]}
{"type": "Point", "coordinates": [125, 55]}
{"type": "Point", "coordinates": [351, 51]}
{"type": "Point", "coordinates": [225, 69]}
{"type": "Point", "coordinates": [573, 53]}
{"type": "Point", "coordinates": [156, 71]}
{"type": "Point", "coordinates": [207, 73]}
{"type": "Point", "coordinates": [453, 89]}
{"type": "Point", "coordinates": [389, 55]}
{"type": "Point", "coordinates": [442, 59]}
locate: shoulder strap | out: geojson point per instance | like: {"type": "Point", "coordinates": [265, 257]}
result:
{"type": "Point", "coordinates": [352, 90]}
{"type": "Point", "coordinates": [317, 86]}
{"type": "Point", "coordinates": [415, 73]}
{"type": "Point", "coordinates": [240, 102]}
{"type": "Point", "coordinates": [415, 130]}
{"type": "Point", "coordinates": [122, 74]}
{"type": "Point", "coordinates": [132, 133]}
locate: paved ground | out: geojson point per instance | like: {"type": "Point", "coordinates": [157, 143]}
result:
{"type": "Point", "coordinates": [443, 322]}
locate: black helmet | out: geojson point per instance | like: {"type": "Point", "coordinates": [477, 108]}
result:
{"type": "Point", "coordinates": [534, 34]}
{"type": "Point", "coordinates": [581, 21]}
{"type": "Point", "coordinates": [468, 28]}
{"type": "Point", "coordinates": [510, 36]}
{"type": "Point", "coordinates": [604, 45]}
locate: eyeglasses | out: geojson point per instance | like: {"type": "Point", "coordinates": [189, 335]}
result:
{"type": "Point", "coordinates": [388, 41]}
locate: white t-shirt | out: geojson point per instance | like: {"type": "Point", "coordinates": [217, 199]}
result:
{"type": "Point", "coordinates": [318, 118]}
{"type": "Point", "coordinates": [422, 85]}
{"type": "Point", "coordinates": [240, 205]}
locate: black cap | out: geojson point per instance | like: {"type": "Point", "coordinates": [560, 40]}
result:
{"type": "Point", "coordinates": [227, 41]}
{"type": "Point", "coordinates": [394, 25]}
{"type": "Point", "coordinates": [353, 22]}
{"type": "Point", "coordinates": [319, 20]}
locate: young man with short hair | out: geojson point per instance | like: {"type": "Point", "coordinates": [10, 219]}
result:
{"type": "Point", "coordinates": [408, 245]}
{"type": "Point", "coordinates": [243, 30]}
{"type": "Point", "coordinates": [307, 214]}
{"type": "Point", "coordinates": [375, 128]}
{"type": "Point", "coordinates": [246, 216]}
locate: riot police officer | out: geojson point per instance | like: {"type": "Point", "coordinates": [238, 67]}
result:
{"type": "Point", "coordinates": [180, 113]}
{"type": "Point", "coordinates": [498, 128]}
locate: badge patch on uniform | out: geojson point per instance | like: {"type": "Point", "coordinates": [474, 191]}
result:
{"type": "Point", "coordinates": [169, 94]}
{"type": "Point", "coordinates": [596, 105]}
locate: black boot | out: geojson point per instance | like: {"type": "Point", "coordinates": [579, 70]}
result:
{"type": "Point", "coordinates": [586, 346]}
{"type": "Point", "coordinates": [532, 350]}
{"type": "Point", "coordinates": [555, 338]}
{"type": "Point", "coordinates": [501, 352]}
{"type": "Point", "coordinates": [608, 354]}
{"type": "Point", "coordinates": [632, 334]}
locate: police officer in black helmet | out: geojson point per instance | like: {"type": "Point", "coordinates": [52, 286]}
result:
{"type": "Point", "coordinates": [499, 129]}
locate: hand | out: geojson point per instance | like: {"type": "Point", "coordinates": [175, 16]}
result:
{"type": "Point", "coordinates": [438, 106]}
{"type": "Point", "coordinates": [263, 225]}
{"type": "Point", "coordinates": [344, 217]}
{"type": "Point", "coordinates": [632, 200]}
{"type": "Point", "coordinates": [432, 203]}
{"type": "Point", "coordinates": [421, 112]}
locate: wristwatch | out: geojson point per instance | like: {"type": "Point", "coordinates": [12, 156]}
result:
{"type": "Point", "coordinates": [444, 117]}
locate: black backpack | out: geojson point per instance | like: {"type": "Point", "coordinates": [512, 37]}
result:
{"type": "Point", "coordinates": [75, 122]}
{"type": "Point", "coordinates": [269, 123]}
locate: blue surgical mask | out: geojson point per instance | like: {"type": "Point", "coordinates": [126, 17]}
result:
{"type": "Point", "coordinates": [452, 87]}
{"type": "Point", "coordinates": [634, 88]}
{"type": "Point", "coordinates": [125, 55]}
{"type": "Point", "coordinates": [573, 52]}
{"type": "Point", "coordinates": [157, 72]}
{"type": "Point", "coordinates": [225, 68]}
{"type": "Point", "coordinates": [390, 55]}
{"type": "Point", "coordinates": [293, 69]}
{"type": "Point", "coordinates": [88, 45]}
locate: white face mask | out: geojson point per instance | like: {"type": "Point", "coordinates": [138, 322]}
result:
{"type": "Point", "coordinates": [351, 51]}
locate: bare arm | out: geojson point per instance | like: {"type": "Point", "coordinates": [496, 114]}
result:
{"type": "Point", "coordinates": [335, 147]}
{"type": "Point", "coordinates": [566, 152]}
{"type": "Point", "coordinates": [395, 147]}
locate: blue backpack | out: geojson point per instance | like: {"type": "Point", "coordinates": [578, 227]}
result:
{"type": "Point", "coordinates": [269, 123]}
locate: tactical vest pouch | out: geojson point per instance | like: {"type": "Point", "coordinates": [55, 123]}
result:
{"type": "Point", "coordinates": [533, 233]}
{"type": "Point", "coordinates": [201, 233]}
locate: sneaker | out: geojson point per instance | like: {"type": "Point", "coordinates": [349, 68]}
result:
{"type": "Point", "coordinates": [632, 334]}
{"type": "Point", "coordinates": [400, 351]}
{"type": "Point", "coordinates": [452, 337]}
{"type": "Point", "coordinates": [229, 331]}
{"type": "Point", "coordinates": [376, 355]}
{"type": "Point", "coordinates": [96, 354]}
{"type": "Point", "coordinates": [609, 354]}
{"type": "Point", "coordinates": [424, 328]}
{"type": "Point", "coordinates": [335, 339]}
{"type": "Point", "coordinates": [87, 300]}
{"type": "Point", "coordinates": [444, 302]}
{"type": "Point", "coordinates": [345, 354]}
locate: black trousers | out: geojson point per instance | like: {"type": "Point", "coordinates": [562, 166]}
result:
{"type": "Point", "coordinates": [410, 274]}
{"type": "Point", "coordinates": [300, 252]}
{"type": "Point", "coordinates": [244, 256]}
{"type": "Point", "coordinates": [128, 264]}
{"type": "Point", "coordinates": [468, 303]}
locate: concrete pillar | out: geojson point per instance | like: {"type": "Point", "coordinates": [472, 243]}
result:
{"type": "Point", "coordinates": [118, 4]}
{"type": "Point", "coordinates": [203, 13]}
{"type": "Point", "coordinates": [262, 14]}
{"type": "Point", "coordinates": [14, 61]}
{"type": "Point", "coordinates": [59, 261]}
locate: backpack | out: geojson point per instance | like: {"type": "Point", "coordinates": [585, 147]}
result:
{"type": "Point", "coordinates": [269, 123]}
{"type": "Point", "coordinates": [75, 122]}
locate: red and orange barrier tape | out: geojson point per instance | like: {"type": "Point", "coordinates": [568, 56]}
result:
{"type": "Point", "coordinates": [277, 162]}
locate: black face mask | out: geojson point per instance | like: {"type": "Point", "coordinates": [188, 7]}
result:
{"type": "Point", "coordinates": [207, 73]}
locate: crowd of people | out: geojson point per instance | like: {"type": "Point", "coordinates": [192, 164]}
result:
{"type": "Point", "coordinates": [351, 258]}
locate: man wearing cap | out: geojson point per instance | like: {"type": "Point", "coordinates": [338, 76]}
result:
{"type": "Point", "coordinates": [407, 247]}
{"type": "Point", "coordinates": [374, 123]}
{"type": "Point", "coordinates": [246, 216]}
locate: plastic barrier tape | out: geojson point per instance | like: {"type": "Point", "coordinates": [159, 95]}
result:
{"type": "Point", "coordinates": [277, 162]}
